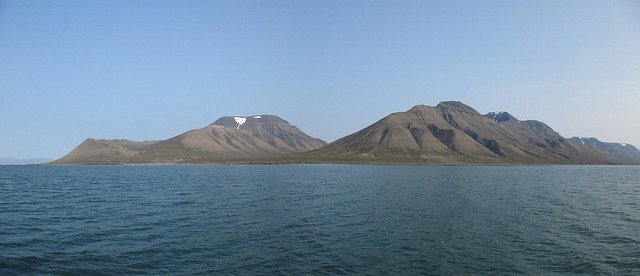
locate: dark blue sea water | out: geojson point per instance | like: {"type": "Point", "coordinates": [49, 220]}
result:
{"type": "Point", "coordinates": [319, 219]}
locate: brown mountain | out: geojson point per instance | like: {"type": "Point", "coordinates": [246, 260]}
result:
{"type": "Point", "coordinates": [450, 132]}
{"type": "Point", "coordinates": [228, 138]}
{"type": "Point", "coordinates": [453, 132]}
{"type": "Point", "coordinates": [627, 152]}
{"type": "Point", "coordinates": [103, 151]}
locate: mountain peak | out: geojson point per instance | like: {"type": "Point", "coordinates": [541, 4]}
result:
{"type": "Point", "coordinates": [456, 104]}
{"type": "Point", "coordinates": [592, 141]}
{"type": "Point", "coordinates": [243, 122]}
{"type": "Point", "coordinates": [419, 106]}
{"type": "Point", "coordinates": [500, 117]}
{"type": "Point", "coordinates": [627, 151]}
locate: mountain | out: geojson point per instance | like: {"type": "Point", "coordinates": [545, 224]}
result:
{"type": "Point", "coordinates": [16, 161]}
{"type": "Point", "coordinates": [627, 152]}
{"type": "Point", "coordinates": [450, 132]}
{"type": "Point", "coordinates": [236, 137]}
{"type": "Point", "coordinates": [453, 132]}
{"type": "Point", "coordinates": [227, 139]}
{"type": "Point", "coordinates": [104, 151]}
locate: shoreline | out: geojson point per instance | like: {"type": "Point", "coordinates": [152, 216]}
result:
{"type": "Point", "coordinates": [231, 163]}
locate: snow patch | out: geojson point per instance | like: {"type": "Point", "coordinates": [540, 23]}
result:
{"type": "Point", "coordinates": [623, 144]}
{"type": "Point", "coordinates": [257, 117]}
{"type": "Point", "coordinates": [240, 121]}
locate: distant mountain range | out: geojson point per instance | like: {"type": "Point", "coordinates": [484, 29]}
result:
{"type": "Point", "coordinates": [16, 161]}
{"type": "Point", "coordinates": [450, 132]}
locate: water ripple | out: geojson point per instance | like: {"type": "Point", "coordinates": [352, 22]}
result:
{"type": "Point", "coordinates": [319, 219]}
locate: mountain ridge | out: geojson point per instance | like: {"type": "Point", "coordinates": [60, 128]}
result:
{"type": "Point", "coordinates": [450, 132]}
{"type": "Point", "coordinates": [229, 137]}
{"type": "Point", "coordinates": [453, 132]}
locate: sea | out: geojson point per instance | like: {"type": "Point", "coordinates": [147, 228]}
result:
{"type": "Point", "coordinates": [319, 219]}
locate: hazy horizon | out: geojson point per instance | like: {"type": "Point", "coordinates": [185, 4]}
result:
{"type": "Point", "coordinates": [150, 70]}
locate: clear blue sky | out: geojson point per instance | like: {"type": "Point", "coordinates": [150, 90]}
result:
{"type": "Point", "coordinates": [153, 69]}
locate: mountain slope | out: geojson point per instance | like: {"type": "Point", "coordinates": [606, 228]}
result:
{"type": "Point", "coordinates": [236, 137]}
{"type": "Point", "coordinates": [626, 152]}
{"type": "Point", "coordinates": [104, 151]}
{"type": "Point", "coordinates": [450, 132]}
{"type": "Point", "coordinates": [453, 132]}
{"type": "Point", "coordinates": [421, 134]}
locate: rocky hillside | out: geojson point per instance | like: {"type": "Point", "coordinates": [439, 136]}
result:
{"type": "Point", "coordinates": [234, 137]}
{"type": "Point", "coordinates": [627, 152]}
{"type": "Point", "coordinates": [450, 132]}
{"type": "Point", "coordinates": [453, 132]}
{"type": "Point", "coordinates": [104, 151]}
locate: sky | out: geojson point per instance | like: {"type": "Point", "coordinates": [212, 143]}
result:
{"type": "Point", "coordinates": [148, 70]}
